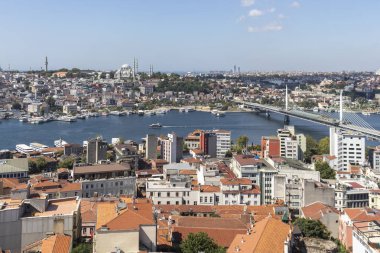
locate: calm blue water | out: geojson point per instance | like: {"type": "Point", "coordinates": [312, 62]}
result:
{"type": "Point", "coordinates": [135, 127]}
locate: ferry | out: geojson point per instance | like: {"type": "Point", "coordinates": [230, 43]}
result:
{"type": "Point", "coordinates": [37, 146]}
{"type": "Point", "coordinates": [22, 148]}
{"type": "Point", "coordinates": [60, 143]}
{"type": "Point", "coordinates": [155, 125]}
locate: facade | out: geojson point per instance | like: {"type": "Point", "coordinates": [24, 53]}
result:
{"type": "Point", "coordinates": [374, 158]}
{"type": "Point", "coordinates": [151, 147]}
{"type": "Point", "coordinates": [100, 171]}
{"type": "Point", "coordinates": [351, 195]}
{"type": "Point", "coordinates": [245, 166]}
{"type": "Point", "coordinates": [207, 142]}
{"type": "Point", "coordinates": [347, 147]}
{"type": "Point", "coordinates": [96, 151]}
{"type": "Point", "coordinates": [14, 168]}
{"type": "Point", "coordinates": [223, 142]}
{"type": "Point", "coordinates": [283, 134]}
{"type": "Point", "coordinates": [176, 191]}
{"type": "Point", "coordinates": [239, 191]}
{"type": "Point", "coordinates": [270, 146]}
{"type": "Point", "coordinates": [171, 148]}
{"type": "Point", "coordinates": [110, 186]}
{"type": "Point", "coordinates": [291, 145]}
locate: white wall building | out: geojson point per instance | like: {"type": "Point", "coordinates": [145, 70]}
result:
{"type": "Point", "coordinates": [348, 147]}
{"type": "Point", "coordinates": [223, 142]}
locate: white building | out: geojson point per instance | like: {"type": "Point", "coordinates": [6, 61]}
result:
{"type": "Point", "coordinates": [348, 147]}
{"type": "Point", "coordinates": [171, 148]}
{"type": "Point", "coordinates": [239, 191]}
{"type": "Point", "coordinates": [223, 142]}
{"type": "Point", "coordinates": [376, 159]}
{"type": "Point", "coordinates": [291, 148]}
{"type": "Point", "coordinates": [292, 145]}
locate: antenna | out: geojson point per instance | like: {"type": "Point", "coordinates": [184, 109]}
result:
{"type": "Point", "coordinates": [46, 63]}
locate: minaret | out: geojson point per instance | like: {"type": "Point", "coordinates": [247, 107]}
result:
{"type": "Point", "coordinates": [286, 98]}
{"type": "Point", "coordinates": [341, 107]}
{"type": "Point", "coordinates": [46, 64]}
{"type": "Point", "coordinates": [137, 66]}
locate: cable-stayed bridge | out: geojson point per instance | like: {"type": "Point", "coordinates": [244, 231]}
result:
{"type": "Point", "coordinates": [343, 120]}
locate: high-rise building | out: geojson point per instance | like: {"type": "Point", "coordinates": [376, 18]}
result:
{"type": "Point", "coordinates": [96, 150]}
{"type": "Point", "coordinates": [151, 147]}
{"type": "Point", "coordinates": [207, 143]}
{"type": "Point", "coordinates": [270, 146]}
{"type": "Point", "coordinates": [172, 148]}
{"type": "Point", "coordinates": [374, 158]}
{"type": "Point", "coordinates": [223, 142]}
{"type": "Point", "coordinates": [282, 135]}
{"type": "Point", "coordinates": [348, 147]}
{"type": "Point", "coordinates": [292, 145]}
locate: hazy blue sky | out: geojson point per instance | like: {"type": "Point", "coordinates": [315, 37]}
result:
{"type": "Point", "coordinates": [179, 35]}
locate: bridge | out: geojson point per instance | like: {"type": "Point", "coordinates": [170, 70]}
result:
{"type": "Point", "coordinates": [346, 121]}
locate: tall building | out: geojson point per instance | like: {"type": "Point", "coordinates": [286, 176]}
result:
{"type": "Point", "coordinates": [96, 150]}
{"type": "Point", "coordinates": [270, 146]}
{"type": "Point", "coordinates": [207, 143]}
{"type": "Point", "coordinates": [347, 146]}
{"type": "Point", "coordinates": [374, 158]}
{"type": "Point", "coordinates": [292, 145]}
{"type": "Point", "coordinates": [172, 148]}
{"type": "Point", "coordinates": [151, 147]}
{"type": "Point", "coordinates": [223, 142]}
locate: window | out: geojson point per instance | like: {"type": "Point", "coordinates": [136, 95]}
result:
{"type": "Point", "coordinates": [159, 194]}
{"type": "Point", "coordinates": [121, 191]}
{"type": "Point", "coordinates": [177, 194]}
{"type": "Point", "coordinates": [101, 185]}
{"type": "Point", "coordinates": [177, 203]}
{"type": "Point", "coordinates": [201, 199]}
{"type": "Point", "coordinates": [205, 199]}
{"type": "Point", "coordinates": [116, 183]}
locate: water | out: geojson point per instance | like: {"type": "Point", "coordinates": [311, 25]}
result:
{"type": "Point", "coordinates": [134, 127]}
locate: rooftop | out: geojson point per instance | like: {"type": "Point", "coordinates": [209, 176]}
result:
{"type": "Point", "coordinates": [60, 207]}
{"type": "Point", "coordinates": [100, 168]}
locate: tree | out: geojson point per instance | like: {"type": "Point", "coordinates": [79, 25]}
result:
{"type": "Point", "coordinates": [324, 146]}
{"type": "Point", "coordinates": [312, 228]}
{"type": "Point", "coordinates": [242, 141]}
{"type": "Point", "coordinates": [16, 106]}
{"type": "Point", "coordinates": [68, 162]}
{"type": "Point", "coordinates": [311, 148]}
{"type": "Point", "coordinates": [325, 170]}
{"type": "Point", "coordinates": [82, 248]}
{"type": "Point", "coordinates": [200, 242]}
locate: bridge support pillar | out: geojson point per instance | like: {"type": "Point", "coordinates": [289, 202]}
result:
{"type": "Point", "coordinates": [286, 120]}
{"type": "Point", "coordinates": [267, 114]}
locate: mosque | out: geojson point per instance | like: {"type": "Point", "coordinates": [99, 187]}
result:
{"type": "Point", "coordinates": [125, 71]}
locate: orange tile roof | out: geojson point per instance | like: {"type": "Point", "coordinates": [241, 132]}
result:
{"type": "Point", "coordinates": [236, 181]}
{"type": "Point", "coordinates": [46, 184]}
{"type": "Point", "coordinates": [71, 187]}
{"type": "Point", "coordinates": [56, 244]}
{"type": "Point", "coordinates": [267, 236]}
{"type": "Point", "coordinates": [9, 182]}
{"type": "Point", "coordinates": [317, 209]}
{"type": "Point", "coordinates": [362, 214]}
{"type": "Point", "coordinates": [88, 211]}
{"type": "Point", "coordinates": [188, 172]}
{"type": "Point", "coordinates": [105, 212]}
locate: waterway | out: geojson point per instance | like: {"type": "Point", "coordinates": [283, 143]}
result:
{"type": "Point", "coordinates": [134, 127]}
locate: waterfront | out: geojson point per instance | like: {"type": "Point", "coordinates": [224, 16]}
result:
{"type": "Point", "coordinates": [134, 127]}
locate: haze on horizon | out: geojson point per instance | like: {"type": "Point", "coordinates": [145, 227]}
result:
{"type": "Point", "coordinates": [196, 35]}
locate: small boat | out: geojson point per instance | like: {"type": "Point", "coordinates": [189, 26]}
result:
{"type": "Point", "coordinates": [161, 112]}
{"type": "Point", "coordinates": [23, 119]}
{"type": "Point", "coordinates": [315, 109]}
{"type": "Point", "coordinates": [220, 114]}
{"type": "Point", "coordinates": [155, 125]}
{"type": "Point", "coordinates": [182, 109]}
{"type": "Point", "coordinates": [149, 113]}
{"type": "Point", "coordinates": [140, 113]}
{"type": "Point", "coordinates": [366, 113]}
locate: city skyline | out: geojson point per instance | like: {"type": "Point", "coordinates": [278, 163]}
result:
{"type": "Point", "coordinates": [258, 35]}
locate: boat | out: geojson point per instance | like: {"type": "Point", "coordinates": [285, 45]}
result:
{"type": "Point", "coordinates": [140, 113]}
{"type": "Point", "coordinates": [366, 113]}
{"type": "Point", "coordinates": [189, 109]}
{"type": "Point", "coordinates": [23, 119]}
{"type": "Point", "coordinates": [149, 113]}
{"type": "Point", "coordinates": [67, 119]}
{"type": "Point", "coordinates": [315, 109]}
{"type": "Point", "coordinates": [105, 114]}
{"type": "Point", "coordinates": [220, 114]}
{"type": "Point", "coordinates": [60, 143]}
{"type": "Point", "coordinates": [182, 109]}
{"type": "Point", "coordinates": [161, 111]}
{"type": "Point", "coordinates": [155, 125]}
{"type": "Point", "coordinates": [81, 116]}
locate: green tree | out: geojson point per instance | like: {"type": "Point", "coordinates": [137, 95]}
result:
{"type": "Point", "coordinates": [312, 228]}
{"type": "Point", "coordinates": [200, 242]}
{"type": "Point", "coordinates": [325, 170]}
{"type": "Point", "coordinates": [68, 162]}
{"type": "Point", "coordinates": [16, 106]}
{"type": "Point", "coordinates": [324, 146]}
{"type": "Point", "coordinates": [82, 248]}
{"type": "Point", "coordinates": [311, 148]}
{"type": "Point", "coordinates": [242, 141]}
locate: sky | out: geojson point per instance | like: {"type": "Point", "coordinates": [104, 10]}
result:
{"type": "Point", "coordinates": [191, 35]}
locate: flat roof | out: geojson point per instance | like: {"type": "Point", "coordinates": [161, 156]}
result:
{"type": "Point", "coordinates": [100, 168]}
{"type": "Point", "coordinates": [60, 207]}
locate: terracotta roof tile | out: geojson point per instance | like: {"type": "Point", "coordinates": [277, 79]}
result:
{"type": "Point", "coordinates": [316, 210]}
{"type": "Point", "coordinates": [56, 244]}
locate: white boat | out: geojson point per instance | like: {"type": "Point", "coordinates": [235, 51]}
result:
{"type": "Point", "coordinates": [117, 113]}
{"type": "Point", "coordinates": [315, 109]}
{"type": "Point", "coordinates": [23, 119]}
{"type": "Point", "coordinates": [104, 113]}
{"type": "Point", "coordinates": [81, 116]}
{"type": "Point", "coordinates": [366, 113]}
{"type": "Point", "coordinates": [149, 113]}
{"type": "Point", "coordinates": [36, 120]}
{"type": "Point", "coordinates": [22, 148]}
{"type": "Point", "coordinates": [220, 114]}
{"type": "Point", "coordinates": [189, 109]}
{"type": "Point", "coordinates": [155, 125]}
{"type": "Point", "coordinates": [140, 113]}
{"type": "Point", "coordinates": [162, 111]}
{"type": "Point", "coordinates": [60, 143]}
{"type": "Point", "coordinates": [182, 109]}
{"type": "Point", "coordinates": [67, 119]}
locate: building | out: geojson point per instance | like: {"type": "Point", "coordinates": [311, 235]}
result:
{"type": "Point", "coordinates": [151, 147]}
{"type": "Point", "coordinates": [27, 221]}
{"type": "Point", "coordinates": [374, 158]}
{"type": "Point", "coordinates": [270, 146]}
{"type": "Point", "coordinates": [283, 134]}
{"type": "Point", "coordinates": [70, 109]}
{"type": "Point", "coordinates": [245, 166]}
{"type": "Point", "coordinates": [223, 142]}
{"type": "Point", "coordinates": [291, 145]}
{"type": "Point", "coordinates": [328, 215]}
{"type": "Point", "coordinates": [239, 191]}
{"type": "Point", "coordinates": [108, 186]}
{"type": "Point", "coordinates": [176, 191]}
{"type": "Point", "coordinates": [172, 148]}
{"type": "Point", "coordinates": [348, 147]}
{"type": "Point", "coordinates": [351, 194]}
{"type": "Point", "coordinates": [73, 149]}
{"type": "Point", "coordinates": [14, 168]}
{"type": "Point", "coordinates": [128, 228]}
{"type": "Point", "coordinates": [347, 220]}
{"type": "Point", "coordinates": [366, 236]}
{"type": "Point", "coordinates": [96, 151]}
{"type": "Point", "coordinates": [99, 171]}
{"type": "Point", "coordinates": [127, 153]}
{"type": "Point", "coordinates": [208, 143]}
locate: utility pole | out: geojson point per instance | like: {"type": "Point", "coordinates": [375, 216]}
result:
{"type": "Point", "coordinates": [341, 107]}
{"type": "Point", "coordinates": [46, 64]}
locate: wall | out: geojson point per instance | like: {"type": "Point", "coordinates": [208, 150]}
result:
{"type": "Point", "coordinates": [127, 241]}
